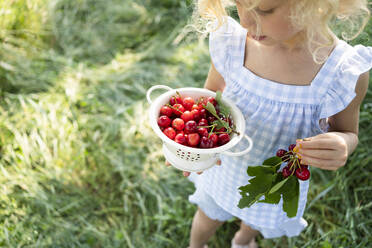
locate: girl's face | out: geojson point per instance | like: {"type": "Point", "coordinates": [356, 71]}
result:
{"type": "Point", "coordinates": [273, 21]}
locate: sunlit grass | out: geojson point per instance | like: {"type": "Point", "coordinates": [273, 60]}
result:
{"type": "Point", "coordinates": [79, 163]}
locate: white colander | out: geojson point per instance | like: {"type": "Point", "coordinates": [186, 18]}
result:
{"type": "Point", "coordinates": [188, 158]}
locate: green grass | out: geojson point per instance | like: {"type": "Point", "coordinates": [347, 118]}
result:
{"type": "Point", "coordinates": [80, 166]}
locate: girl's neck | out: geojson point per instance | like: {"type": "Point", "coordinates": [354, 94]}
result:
{"type": "Point", "coordinates": [282, 64]}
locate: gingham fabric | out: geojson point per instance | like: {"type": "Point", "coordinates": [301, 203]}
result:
{"type": "Point", "coordinates": [276, 115]}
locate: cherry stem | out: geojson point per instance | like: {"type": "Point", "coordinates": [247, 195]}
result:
{"type": "Point", "coordinates": [283, 161]}
{"type": "Point", "coordinates": [233, 131]}
{"type": "Point", "coordinates": [207, 126]}
{"type": "Point", "coordinates": [173, 108]}
{"type": "Point", "coordinates": [209, 135]}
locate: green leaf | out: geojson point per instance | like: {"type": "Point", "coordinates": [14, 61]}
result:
{"type": "Point", "coordinates": [256, 188]}
{"type": "Point", "coordinates": [271, 198]}
{"type": "Point", "coordinates": [218, 96]}
{"type": "Point", "coordinates": [290, 192]}
{"type": "Point", "coordinates": [273, 161]}
{"type": "Point", "coordinates": [259, 170]}
{"type": "Point", "coordinates": [224, 110]}
{"type": "Point", "coordinates": [218, 124]}
{"type": "Point", "coordinates": [278, 185]}
{"type": "Point", "coordinates": [212, 110]}
{"type": "Point", "coordinates": [246, 202]}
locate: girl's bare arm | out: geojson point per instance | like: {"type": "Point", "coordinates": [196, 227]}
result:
{"type": "Point", "coordinates": [330, 150]}
{"type": "Point", "coordinates": [214, 80]}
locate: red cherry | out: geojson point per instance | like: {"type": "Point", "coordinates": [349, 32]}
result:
{"type": "Point", "coordinates": [203, 122]}
{"type": "Point", "coordinates": [286, 172]}
{"type": "Point", "coordinates": [187, 116]}
{"type": "Point", "coordinates": [291, 146]}
{"type": "Point", "coordinates": [203, 113]}
{"type": "Point", "coordinates": [166, 110]}
{"type": "Point", "coordinates": [193, 139]}
{"type": "Point", "coordinates": [304, 166]}
{"type": "Point", "coordinates": [214, 138]}
{"type": "Point", "coordinates": [203, 131]}
{"type": "Point", "coordinates": [302, 174]}
{"type": "Point", "coordinates": [188, 102]}
{"type": "Point", "coordinates": [178, 124]}
{"type": "Point", "coordinates": [175, 100]}
{"type": "Point", "coordinates": [178, 109]}
{"type": "Point", "coordinates": [280, 153]}
{"type": "Point", "coordinates": [221, 130]}
{"type": "Point", "coordinates": [211, 119]}
{"type": "Point", "coordinates": [212, 100]}
{"type": "Point", "coordinates": [223, 138]}
{"type": "Point", "coordinates": [164, 121]}
{"type": "Point", "coordinates": [190, 127]}
{"type": "Point", "coordinates": [206, 142]}
{"type": "Point", "coordinates": [196, 114]}
{"type": "Point", "coordinates": [170, 132]}
{"type": "Point", "coordinates": [196, 106]}
{"type": "Point", "coordinates": [180, 138]}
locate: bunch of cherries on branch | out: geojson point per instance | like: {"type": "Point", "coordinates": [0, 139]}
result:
{"type": "Point", "coordinates": [190, 123]}
{"type": "Point", "coordinates": [294, 166]}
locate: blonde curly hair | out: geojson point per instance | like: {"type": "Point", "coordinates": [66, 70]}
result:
{"type": "Point", "coordinates": [313, 17]}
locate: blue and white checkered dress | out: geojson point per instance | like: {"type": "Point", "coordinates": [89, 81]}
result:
{"type": "Point", "coordinates": [276, 115]}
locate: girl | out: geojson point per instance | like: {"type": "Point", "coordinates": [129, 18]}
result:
{"type": "Point", "coordinates": [292, 78]}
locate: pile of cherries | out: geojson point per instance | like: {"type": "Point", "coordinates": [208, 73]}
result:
{"type": "Point", "coordinates": [294, 166]}
{"type": "Point", "coordinates": [188, 122]}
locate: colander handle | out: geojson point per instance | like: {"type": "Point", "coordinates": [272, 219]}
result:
{"type": "Point", "coordinates": [235, 154]}
{"type": "Point", "coordinates": [154, 88]}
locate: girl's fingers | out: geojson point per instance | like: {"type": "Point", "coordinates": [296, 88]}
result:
{"type": "Point", "coordinates": [186, 173]}
{"type": "Point", "coordinates": [317, 144]}
{"type": "Point", "coordinates": [325, 164]}
{"type": "Point", "coordinates": [316, 153]}
{"type": "Point", "coordinates": [218, 162]}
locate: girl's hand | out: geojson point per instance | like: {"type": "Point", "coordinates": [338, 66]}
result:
{"type": "Point", "coordinates": [328, 151]}
{"type": "Point", "coordinates": [186, 173]}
